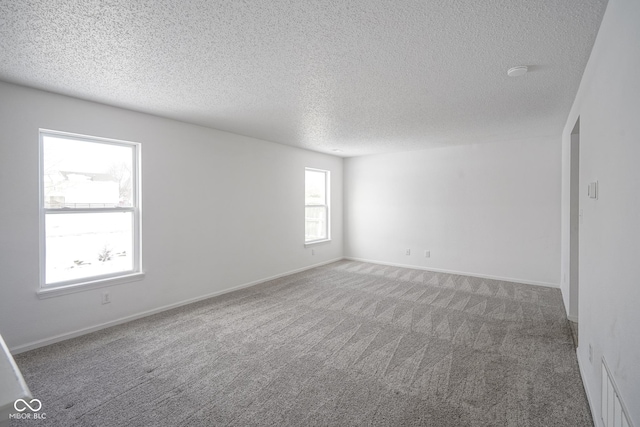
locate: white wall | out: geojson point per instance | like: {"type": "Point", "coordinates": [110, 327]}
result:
{"type": "Point", "coordinates": [219, 210]}
{"type": "Point", "coordinates": [608, 104]}
{"type": "Point", "coordinates": [484, 209]}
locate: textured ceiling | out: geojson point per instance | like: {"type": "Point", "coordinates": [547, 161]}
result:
{"type": "Point", "coordinates": [363, 76]}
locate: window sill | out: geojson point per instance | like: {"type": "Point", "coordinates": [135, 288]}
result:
{"type": "Point", "coordinates": [317, 242]}
{"type": "Point", "coordinates": [55, 291]}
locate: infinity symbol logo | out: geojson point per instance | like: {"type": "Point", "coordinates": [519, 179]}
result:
{"type": "Point", "coordinates": [28, 405]}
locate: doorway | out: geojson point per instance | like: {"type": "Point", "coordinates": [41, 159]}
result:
{"type": "Point", "coordinates": [575, 215]}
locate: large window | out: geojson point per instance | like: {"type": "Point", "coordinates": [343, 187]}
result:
{"type": "Point", "coordinates": [90, 210]}
{"type": "Point", "coordinates": [316, 209]}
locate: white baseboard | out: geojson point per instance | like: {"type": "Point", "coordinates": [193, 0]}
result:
{"type": "Point", "coordinates": [460, 273]}
{"type": "Point", "coordinates": [596, 418]}
{"type": "Point", "coordinates": [68, 335]}
{"type": "Point", "coordinates": [572, 318]}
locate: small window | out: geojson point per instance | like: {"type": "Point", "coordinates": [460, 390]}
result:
{"type": "Point", "coordinates": [316, 210]}
{"type": "Point", "coordinates": [90, 210]}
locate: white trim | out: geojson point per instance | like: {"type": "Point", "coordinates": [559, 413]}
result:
{"type": "Point", "coordinates": [316, 242]}
{"type": "Point", "coordinates": [68, 335]}
{"type": "Point", "coordinates": [597, 420]}
{"type": "Point", "coordinates": [42, 240]}
{"type": "Point", "coordinates": [572, 318]}
{"type": "Point", "coordinates": [83, 137]}
{"type": "Point", "coordinates": [316, 169]}
{"type": "Point", "coordinates": [460, 273]}
{"type": "Point", "coordinates": [50, 211]}
{"type": "Point", "coordinates": [616, 391]}
{"type": "Point", "coordinates": [54, 291]}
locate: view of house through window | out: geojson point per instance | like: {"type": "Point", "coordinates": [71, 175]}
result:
{"type": "Point", "coordinates": [89, 207]}
{"type": "Point", "coordinates": [316, 197]}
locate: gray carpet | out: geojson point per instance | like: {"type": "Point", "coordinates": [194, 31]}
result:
{"type": "Point", "coordinates": [349, 343]}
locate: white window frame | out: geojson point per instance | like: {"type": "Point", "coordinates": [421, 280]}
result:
{"type": "Point", "coordinates": [91, 282]}
{"type": "Point", "coordinates": [326, 205]}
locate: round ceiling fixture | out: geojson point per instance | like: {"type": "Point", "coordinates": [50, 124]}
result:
{"type": "Point", "coordinates": [517, 71]}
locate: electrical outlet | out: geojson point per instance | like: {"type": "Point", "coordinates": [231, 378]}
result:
{"type": "Point", "coordinates": [590, 353]}
{"type": "Point", "coordinates": [106, 298]}
{"type": "Point", "coordinates": [313, 251]}
{"type": "Point", "coordinates": [408, 252]}
{"type": "Point", "coordinates": [427, 254]}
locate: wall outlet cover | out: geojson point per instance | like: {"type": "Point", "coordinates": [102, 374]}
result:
{"type": "Point", "coordinates": [592, 190]}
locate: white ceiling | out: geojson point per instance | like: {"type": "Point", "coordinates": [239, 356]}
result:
{"type": "Point", "coordinates": [363, 76]}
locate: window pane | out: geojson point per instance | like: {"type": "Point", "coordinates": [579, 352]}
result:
{"type": "Point", "coordinates": [315, 188]}
{"type": "Point", "coordinates": [315, 223]}
{"type": "Point", "coordinates": [81, 174]}
{"type": "Point", "coordinates": [88, 244]}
